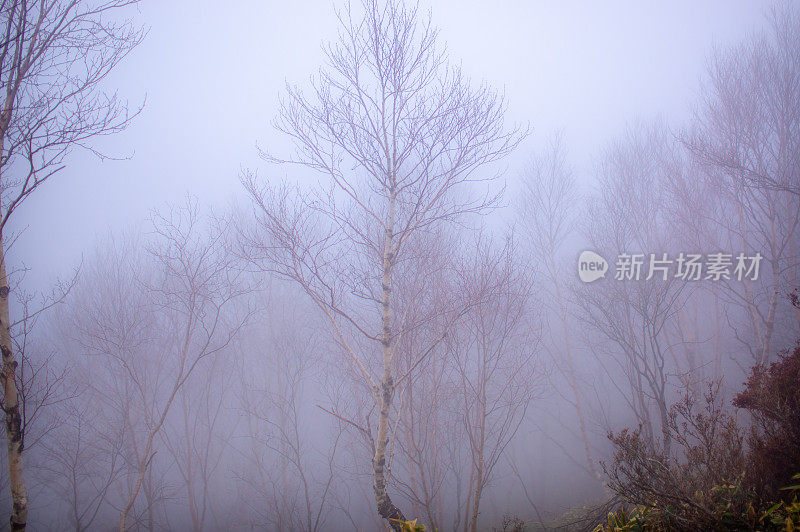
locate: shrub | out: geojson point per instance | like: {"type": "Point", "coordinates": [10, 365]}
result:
{"type": "Point", "coordinates": [698, 483]}
{"type": "Point", "coordinates": [713, 481]}
{"type": "Point", "coordinates": [772, 396]}
{"type": "Point", "coordinates": [784, 516]}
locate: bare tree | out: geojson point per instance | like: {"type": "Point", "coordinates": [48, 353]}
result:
{"type": "Point", "coordinates": [748, 122]}
{"type": "Point", "coordinates": [154, 334]}
{"type": "Point", "coordinates": [41, 382]}
{"type": "Point", "coordinates": [110, 318]}
{"type": "Point", "coordinates": [86, 460]}
{"type": "Point", "coordinates": [495, 351]}
{"type": "Point", "coordinates": [547, 220]}
{"type": "Point", "coordinates": [54, 55]}
{"type": "Point", "coordinates": [401, 136]}
{"type": "Point", "coordinates": [291, 473]}
{"type": "Point", "coordinates": [194, 291]}
{"type": "Point", "coordinates": [428, 433]}
{"type": "Point", "coordinates": [199, 442]}
{"type": "Point", "coordinates": [745, 135]}
{"type": "Point", "coordinates": [637, 311]}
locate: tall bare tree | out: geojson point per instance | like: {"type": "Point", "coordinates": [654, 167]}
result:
{"type": "Point", "coordinates": [746, 136]}
{"type": "Point", "coordinates": [199, 445]}
{"type": "Point", "coordinates": [154, 323]}
{"type": "Point", "coordinates": [495, 349]}
{"type": "Point", "coordinates": [401, 136]}
{"type": "Point", "coordinates": [635, 309]}
{"type": "Point", "coordinates": [547, 219]}
{"type": "Point", "coordinates": [428, 433]}
{"type": "Point", "coordinates": [54, 56]}
{"type": "Point", "coordinates": [86, 461]}
{"type": "Point", "coordinates": [291, 473]}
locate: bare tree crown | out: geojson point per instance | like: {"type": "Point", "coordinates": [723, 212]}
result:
{"type": "Point", "coordinates": [54, 56]}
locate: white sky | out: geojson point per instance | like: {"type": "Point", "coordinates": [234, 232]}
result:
{"type": "Point", "coordinates": [212, 77]}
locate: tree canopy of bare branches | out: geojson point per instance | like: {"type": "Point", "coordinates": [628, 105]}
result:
{"type": "Point", "coordinates": [405, 142]}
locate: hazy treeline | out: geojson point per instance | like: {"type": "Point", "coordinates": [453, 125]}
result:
{"type": "Point", "coordinates": [384, 345]}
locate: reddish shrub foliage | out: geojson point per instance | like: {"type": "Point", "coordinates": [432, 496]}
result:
{"type": "Point", "coordinates": [772, 395]}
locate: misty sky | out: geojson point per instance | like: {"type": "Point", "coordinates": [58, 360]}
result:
{"type": "Point", "coordinates": [212, 77]}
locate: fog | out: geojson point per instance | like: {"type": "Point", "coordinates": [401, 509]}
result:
{"type": "Point", "coordinates": [318, 266]}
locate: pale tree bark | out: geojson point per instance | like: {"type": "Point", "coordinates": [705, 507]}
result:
{"type": "Point", "coordinates": [13, 420]}
{"type": "Point", "coordinates": [401, 135]}
{"type": "Point", "coordinates": [29, 387]}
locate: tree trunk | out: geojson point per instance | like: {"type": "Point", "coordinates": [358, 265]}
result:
{"type": "Point", "coordinates": [769, 322]}
{"type": "Point", "coordinates": [479, 446]}
{"type": "Point", "coordinates": [476, 501]}
{"type": "Point", "coordinates": [189, 470]}
{"type": "Point", "coordinates": [143, 463]}
{"type": "Point", "coordinates": [14, 436]}
{"type": "Point", "coordinates": [386, 508]}
{"type": "Point", "coordinates": [573, 380]}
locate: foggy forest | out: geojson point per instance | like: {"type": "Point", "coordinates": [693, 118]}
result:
{"type": "Point", "coordinates": [398, 265]}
